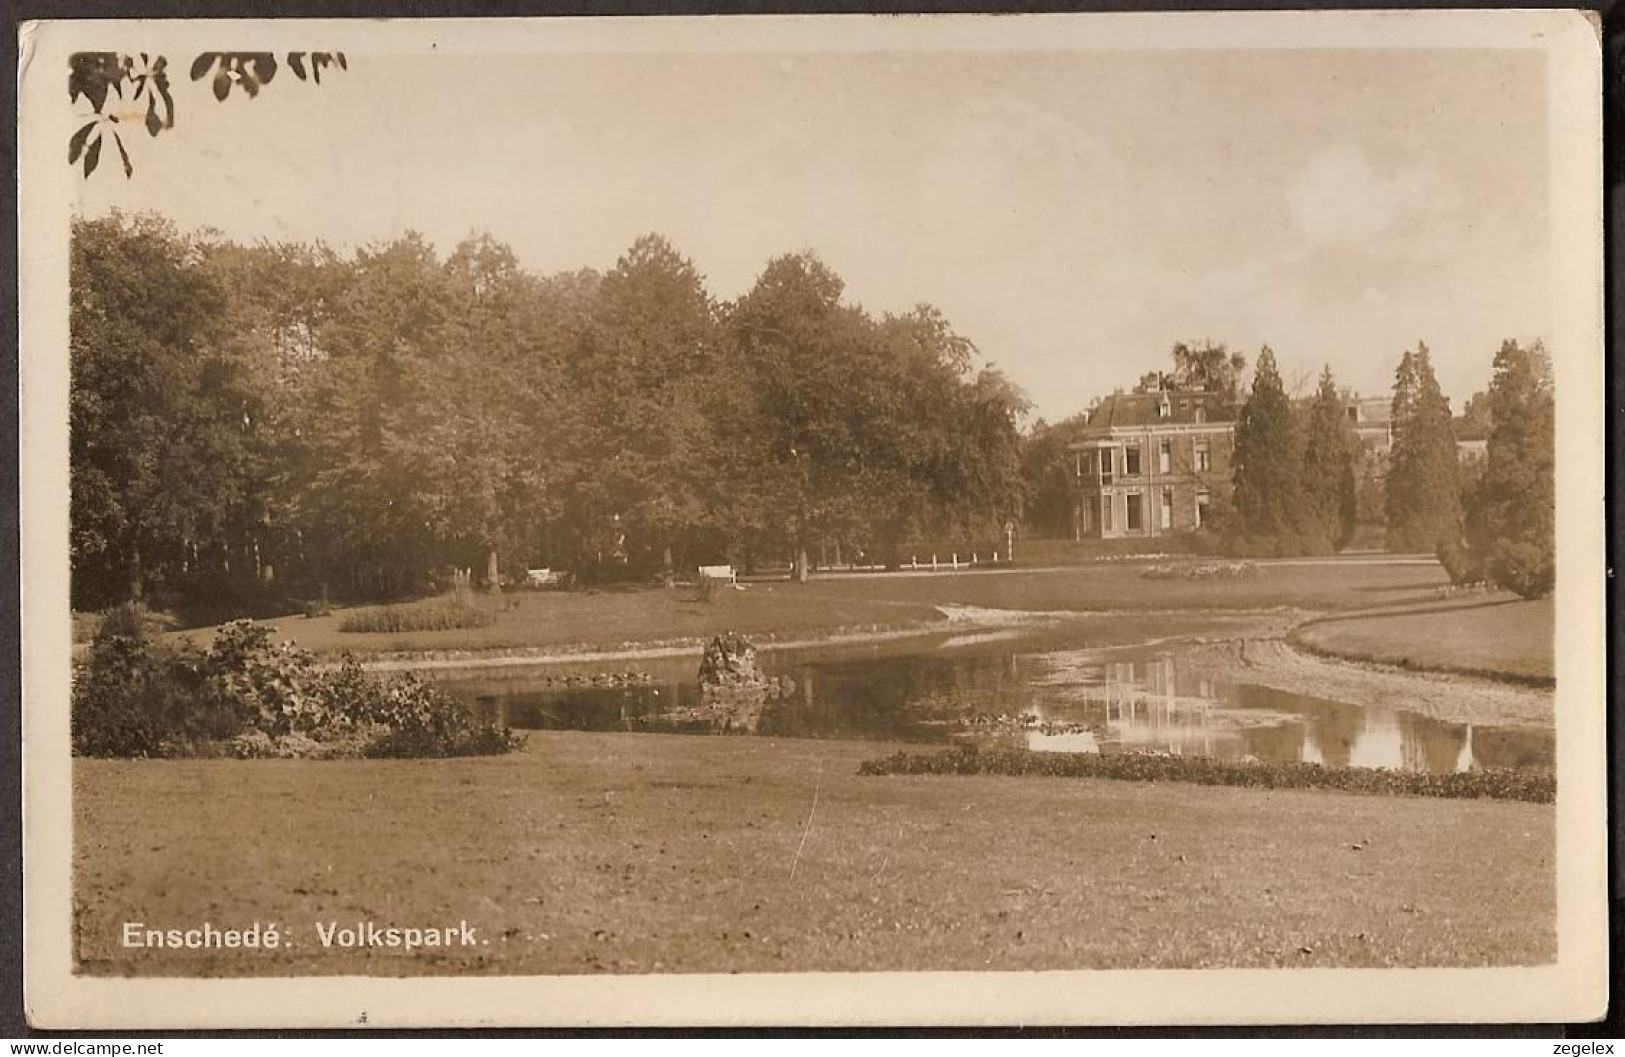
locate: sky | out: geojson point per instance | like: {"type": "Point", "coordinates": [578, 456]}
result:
{"type": "Point", "coordinates": [1072, 212]}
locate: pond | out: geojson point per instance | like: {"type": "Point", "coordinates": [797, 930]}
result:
{"type": "Point", "coordinates": [1005, 688]}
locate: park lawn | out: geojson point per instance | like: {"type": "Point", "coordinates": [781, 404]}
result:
{"type": "Point", "coordinates": [622, 618]}
{"type": "Point", "coordinates": [1498, 635]}
{"type": "Point", "coordinates": [592, 853]}
{"type": "Point", "coordinates": [771, 610]}
{"type": "Point", "coordinates": [1328, 584]}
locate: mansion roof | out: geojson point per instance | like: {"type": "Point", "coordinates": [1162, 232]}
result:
{"type": "Point", "coordinates": [1149, 410]}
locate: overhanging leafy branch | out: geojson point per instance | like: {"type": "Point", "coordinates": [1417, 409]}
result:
{"type": "Point", "coordinates": [128, 89]}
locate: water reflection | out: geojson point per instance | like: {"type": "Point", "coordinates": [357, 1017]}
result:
{"type": "Point", "coordinates": [1053, 700]}
{"type": "Point", "coordinates": [1151, 704]}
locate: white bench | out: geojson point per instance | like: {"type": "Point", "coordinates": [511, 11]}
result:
{"type": "Point", "coordinates": [718, 572]}
{"type": "Point", "coordinates": [543, 577]}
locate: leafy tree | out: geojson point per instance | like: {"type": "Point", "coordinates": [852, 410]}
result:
{"type": "Point", "coordinates": [1208, 366]}
{"type": "Point", "coordinates": [277, 298]}
{"type": "Point", "coordinates": [847, 429]}
{"type": "Point", "coordinates": [943, 447]}
{"type": "Point", "coordinates": [1327, 469]}
{"type": "Point", "coordinates": [1511, 517]}
{"type": "Point", "coordinates": [644, 368]}
{"type": "Point", "coordinates": [1204, 366]}
{"type": "Point", "coordinates": [1422, 490]}
{"type": "Point", "coordinates": [981, 489]}
{"type": "Point", "coordinates": [1267, 497]}
{"type": "Point", "coordinates": [480, 409]}
{"type": "Point", "coordinates": [163, 418]}
{"type": "Point", "coordinates": [801, 356]}
{"type": "Point", "coordinates": [1474, 421]}
{"type": "Point", "coordinates": [1048, 477]}
{"type": "Point", "coordinates": [366, 509]}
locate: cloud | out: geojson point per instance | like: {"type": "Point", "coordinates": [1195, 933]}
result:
{"type": "Point", "coordinates": [1339, 200]}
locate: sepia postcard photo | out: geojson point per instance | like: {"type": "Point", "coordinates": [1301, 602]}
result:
{"type": "Point", "coordinates": [829, 520]}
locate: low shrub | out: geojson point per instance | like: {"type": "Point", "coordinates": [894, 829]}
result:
{"type": "Point", "coordinates": [313, 607]}
{"type": "Point", "coordinates": [134, 621]}
{"type": "Point", "coordinates": [202, 599]}
{"type": "Point", "coordinates": [438, 614]}
{"type": "Point", "coordinates": [1311, 545]}
{"type": "Point", "coordinates": [257, 745]}
{"type": "Point", "coordinates": [1534, 786]}
{"type": "Point", "coordinates": [1291, 545]}
{"type": "Point", "coordinates": [135, 699]}
{"type": "Point", "coordinates": [1462, 563]}
{"type": "Point", "coordinates": [250, 697]}
{"type": "Point", "coordinates": [423, 722]}
{"type": "Point", "coordinates": [1236, 545]}
{"type": "Point", "coordinates": [273, 685]}
{"type": "Point", "coordinates": [411, 717]}
{"type": "Point", "coordinates": [1524, 567]}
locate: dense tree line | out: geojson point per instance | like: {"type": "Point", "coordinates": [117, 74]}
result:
{"type": "Point", "coordinates": [1295, 472]}
{"type": "Point", "coordinates": [283, 420]}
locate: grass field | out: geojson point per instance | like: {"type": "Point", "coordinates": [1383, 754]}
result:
{"type": "Point", "coordinates": [1494, 634]}
{"type": "Point", "coordinates": [770, 610]}
{"type": "Point", "coordinates": [613, 854]}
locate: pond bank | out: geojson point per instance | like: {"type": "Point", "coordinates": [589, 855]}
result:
{"type": "Point", "coordinates": [1453, 698]}
{"type": "Point", "coordinates": [1114, 628]}
{"type": "Point", "coordinates": [432, 660]}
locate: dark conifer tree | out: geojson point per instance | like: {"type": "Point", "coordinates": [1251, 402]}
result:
{"type": "Point", "coordinates": [1327, 469]}
{"type": "Point", "coordinates": [1511, 519]}
{"type": "Point", "coordinates": [1423, 485]}
{"type": "Point", "coordinates": [1268, 497]}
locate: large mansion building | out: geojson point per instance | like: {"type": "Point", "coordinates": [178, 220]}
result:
{"type": "Point", "coordinates": [1147, 464]}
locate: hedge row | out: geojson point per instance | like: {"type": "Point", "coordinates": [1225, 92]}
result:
{"type": "Point", "coordinates": [1534, 786]}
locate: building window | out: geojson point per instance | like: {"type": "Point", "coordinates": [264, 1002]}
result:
{"type": "Point", "coordinates": [1106, 514]}
{"type": "Point", "coordinates": [1131, 461]}
{"type": "Point", "coordinates": [1203, 498]}
{"type": "Point", "coordinates": [1105, 457]}
{"type": "Point", "coordinates": [1201, 414]}
{"type": "Point", "coordinates": [1204, 456]}
{"type": "Point", "coordinates": [1167, 508]}
{"type": "Point", "coordinates": [1136, 515]}
{"type": "Point", "coordinates": [1165, 456]}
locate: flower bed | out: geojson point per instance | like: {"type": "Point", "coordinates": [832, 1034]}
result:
{"type": "Point", "coordinates": [1201, 571]}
